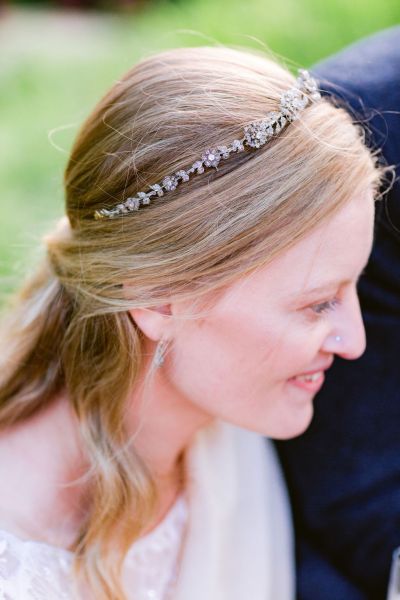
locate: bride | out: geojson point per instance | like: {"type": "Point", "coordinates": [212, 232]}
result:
{"type": "Point", "coordinates": [219, 213]}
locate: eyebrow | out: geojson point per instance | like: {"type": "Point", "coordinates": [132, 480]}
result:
{"type": "Point", "coordinates": [321, 289]}
{"type": "Point", "coordinates": [328, 287]}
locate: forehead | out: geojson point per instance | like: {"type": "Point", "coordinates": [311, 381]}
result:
{"type": "Point", "coordinates": [336, 251]}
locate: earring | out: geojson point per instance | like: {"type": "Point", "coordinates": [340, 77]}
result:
{"type": "Point", "coordinates": [159, 353]}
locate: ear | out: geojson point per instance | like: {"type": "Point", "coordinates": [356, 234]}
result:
{"type": "Point", "coordinates": [154, 322]}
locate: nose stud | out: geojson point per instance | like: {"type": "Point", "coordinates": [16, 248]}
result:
{"type": "Point", "coordinates": [338, 338]}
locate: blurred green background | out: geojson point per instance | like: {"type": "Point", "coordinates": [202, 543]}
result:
{"type": "Point", "coordinates": [55, 63]}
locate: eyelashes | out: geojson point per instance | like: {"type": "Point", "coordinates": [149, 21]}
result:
{"type": "Point", "coordinates": [329, 305]}
{"type": "Point", "coordinates": [325, 307]}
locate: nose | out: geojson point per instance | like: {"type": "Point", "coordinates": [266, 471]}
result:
{"type": "Point", "coordinates": [347, 337]}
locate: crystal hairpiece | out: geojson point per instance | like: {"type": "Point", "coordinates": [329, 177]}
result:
{"type": "Point", "coordinates": [258, 133]}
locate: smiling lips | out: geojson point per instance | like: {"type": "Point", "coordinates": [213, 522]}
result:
{"type": "Point", "coordinates": [311, 381]}
{"type": "Point", "coordinates": [313, 377]}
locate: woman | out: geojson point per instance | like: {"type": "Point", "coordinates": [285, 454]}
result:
{"type": "Point", "coordinates": [192, 298]}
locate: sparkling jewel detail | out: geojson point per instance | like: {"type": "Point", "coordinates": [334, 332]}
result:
{"type": "Point", "coordinates": [198, 167]}
{"type": "Point", "coordinates": [211, 158]}
{"type": "Point", "coordinates": [183, 175]}
{"type": "Point", "coordinates": [256, 134]}
{"type": "Point", "coordinates": [169, 183]}
{"type": "Point", "coordinates": [157, 189]}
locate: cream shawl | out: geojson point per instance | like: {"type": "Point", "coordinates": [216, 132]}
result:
{"type": "Point", "coordinates": [239, 541]}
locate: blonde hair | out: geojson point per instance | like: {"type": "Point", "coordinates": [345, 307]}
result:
{"type": "Point", "coordinates": [69, 327]}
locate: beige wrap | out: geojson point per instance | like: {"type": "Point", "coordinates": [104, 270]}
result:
{"type": "Point", "coordinates": [239, 542]}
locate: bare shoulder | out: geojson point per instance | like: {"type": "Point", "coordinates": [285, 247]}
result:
{"type": "Point", "coordinates": [39, 462]}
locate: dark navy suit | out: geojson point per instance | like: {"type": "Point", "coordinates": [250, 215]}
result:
{"type": "Point", "coordinates": [344, 472]}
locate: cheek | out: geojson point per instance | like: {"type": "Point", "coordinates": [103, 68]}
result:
{"type": "Point", "coordinates": [232, 357]}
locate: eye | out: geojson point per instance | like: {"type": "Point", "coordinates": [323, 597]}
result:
{"type": "Point", "coordinates": [324, 307]}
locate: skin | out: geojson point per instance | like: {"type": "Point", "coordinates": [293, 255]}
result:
{"type": "Point", "coordinates": [236, 363]}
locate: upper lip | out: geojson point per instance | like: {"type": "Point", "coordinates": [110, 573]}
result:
{"type": "Point", "coordinates": [323, 367]}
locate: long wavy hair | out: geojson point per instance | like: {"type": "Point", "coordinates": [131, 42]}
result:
{"type": "Point", "coordinates": [68, 328]}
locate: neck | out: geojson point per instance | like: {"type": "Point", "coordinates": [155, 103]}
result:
{"type": "Point", "coordinates": [163, 428]}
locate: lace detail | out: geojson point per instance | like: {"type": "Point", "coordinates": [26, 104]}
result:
{"type": "Point", "coordinates": [32, 570]}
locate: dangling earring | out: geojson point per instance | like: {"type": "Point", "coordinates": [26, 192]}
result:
{"type": "Point", "coordinates": [159, 353]}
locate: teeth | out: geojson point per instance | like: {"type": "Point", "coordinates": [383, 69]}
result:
{"type": "Point", "coordinates": [309, 378]}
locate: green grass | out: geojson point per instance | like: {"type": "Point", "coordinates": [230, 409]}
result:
{"type": "Point", "coordinates": [52, 74]}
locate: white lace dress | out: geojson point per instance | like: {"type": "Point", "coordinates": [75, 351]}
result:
{"type": "Point", "coordinates": [32, 570]}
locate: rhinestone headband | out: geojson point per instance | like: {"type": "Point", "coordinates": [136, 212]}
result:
{"type": "Point", "coordinates": [258, 133]}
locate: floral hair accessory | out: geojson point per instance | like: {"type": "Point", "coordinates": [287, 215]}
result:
{"type": "Point", "coordinates": [258, 133]}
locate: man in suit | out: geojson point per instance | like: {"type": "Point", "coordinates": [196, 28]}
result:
{"type": "Point", "coordinates": [344, 472]}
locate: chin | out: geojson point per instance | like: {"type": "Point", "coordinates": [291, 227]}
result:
{"type": "Point", "coordinates": [293, 425]}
